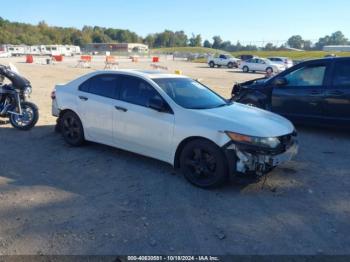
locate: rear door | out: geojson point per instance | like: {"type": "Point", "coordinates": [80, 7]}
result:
{"type": "Point", "coordinates": [303, 96]}
{"type": "Point", "coordinates": [95, 100]}
{"type": "Point", "coordinates": [337, 97]}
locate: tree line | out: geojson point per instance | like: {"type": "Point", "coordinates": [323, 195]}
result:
{"type": "Point", "coordinates": [42, 33]}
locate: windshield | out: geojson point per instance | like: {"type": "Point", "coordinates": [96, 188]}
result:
{"type": "Point", "coordinates": [189, 93]}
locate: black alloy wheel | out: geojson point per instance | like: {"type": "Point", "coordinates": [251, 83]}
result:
{"type": "Point", "coordinates": [204, 164]}
{"type": "Point", "coordinates": [72, 129]}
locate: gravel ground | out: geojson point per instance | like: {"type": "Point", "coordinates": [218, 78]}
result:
{"type": "Point", "coordinates": [55, 199]}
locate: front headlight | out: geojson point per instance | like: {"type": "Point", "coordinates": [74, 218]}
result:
{"type": "Point", "coordinates": [27, 91]}
{"type": "Point", "coordinates": [269, 142]}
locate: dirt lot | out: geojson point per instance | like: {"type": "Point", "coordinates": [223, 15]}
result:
{"type": "Point", "coordinates": [55, 199]}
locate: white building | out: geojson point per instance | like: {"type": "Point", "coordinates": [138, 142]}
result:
{"type": "Point", "coordinates": [337, 48]}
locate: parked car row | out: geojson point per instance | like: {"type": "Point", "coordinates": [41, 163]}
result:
{"type": "Point", "coordinates": [250, 63]}
{"type": "Point", "coordinates": [182, 122]}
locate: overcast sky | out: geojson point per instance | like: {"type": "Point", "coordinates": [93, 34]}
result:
{"type": "Point", "coordinates": [253, 20]}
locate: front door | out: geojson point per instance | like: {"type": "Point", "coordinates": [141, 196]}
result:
{"type": "Point", "coordinates": [139, 128]}
{"type": "Point", "coordinates": [303, 95]}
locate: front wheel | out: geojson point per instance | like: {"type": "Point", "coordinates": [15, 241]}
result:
{"type": "Point", "coordinates": [28, 119]}
{"type": "Point", "coordinates": [245, 69]}
{"type": "Point", "coordinates": [203, 164]}
{"type": "Point", "coordinates": [230, 65]}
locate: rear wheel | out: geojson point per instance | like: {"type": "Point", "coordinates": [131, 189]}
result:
{"type": "Point", "coordinates": [72, 129]}
{"type": "Point", "coordinates": [203, 164]}
{"type": "Point", "coordinates": [212, 64]}
{"type": "Point", "coordinates": [245, 69]}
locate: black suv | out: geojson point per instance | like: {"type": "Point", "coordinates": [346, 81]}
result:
{"type": "Point", "coordinates": [313, 92]}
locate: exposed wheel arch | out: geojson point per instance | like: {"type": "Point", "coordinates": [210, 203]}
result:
{"type": "Point", "coordinates": [181, 146]}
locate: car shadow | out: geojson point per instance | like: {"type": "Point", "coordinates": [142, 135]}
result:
{"type": "Point", "coordinates": [96, 200]}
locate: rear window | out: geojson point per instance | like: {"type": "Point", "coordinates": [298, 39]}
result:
{"type": "Point", "coordinates": [101, 85]}
{"type": "Point", "coordinates": [341, 76]}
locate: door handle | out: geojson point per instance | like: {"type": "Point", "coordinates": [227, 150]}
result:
{"type": "Point", "coordinates": [84, 98]}
{"type": "Point", "coordinates": [121, 109]}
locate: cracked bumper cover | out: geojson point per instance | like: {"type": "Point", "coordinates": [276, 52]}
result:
{"type": "Point", "coordinates": [248, 159]}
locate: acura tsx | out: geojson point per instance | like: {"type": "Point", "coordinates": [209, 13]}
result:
{"type": "Point", "coordinates": [175, 119]}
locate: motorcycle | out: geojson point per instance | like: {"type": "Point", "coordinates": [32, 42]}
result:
{"type": "Point", "coordinates": [14, 104]}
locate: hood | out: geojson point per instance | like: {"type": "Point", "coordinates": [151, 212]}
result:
{"type": "Point", "coordinates": [246, 120]}
{"type": "Point", "coordinates": [256, 83]}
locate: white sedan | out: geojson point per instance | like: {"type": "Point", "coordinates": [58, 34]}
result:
{"type": "Point", "coordinates": [174, 119]}
{"type": "Point", "coordinates": [288, 63]}
{"type": "Point", "coordinates": [261, 64]}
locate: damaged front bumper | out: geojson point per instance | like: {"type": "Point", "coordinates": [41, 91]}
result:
{"type": "Point", "coordinates": [247, 159]}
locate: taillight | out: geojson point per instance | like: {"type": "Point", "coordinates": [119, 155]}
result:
{"type": "Point", "coordinates": [53, 94]}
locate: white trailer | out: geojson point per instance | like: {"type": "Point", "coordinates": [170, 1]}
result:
{"type": "Point", "coordinates": [17, 50]}
{"type": "Point", "coordinates": [49, 50]}
{"type": "Point", "coordinates": [34, 50]}
{"type": "Point", "coordinates": [72, 50]}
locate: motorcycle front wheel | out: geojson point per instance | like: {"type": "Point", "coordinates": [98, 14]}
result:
{"type": "Point", "coordinates": [28, 119]}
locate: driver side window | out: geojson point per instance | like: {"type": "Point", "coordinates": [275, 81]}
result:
{"type": "Point", "coordinates": [137, 91]}
{"type": "Point", "coordinates": [307, 76]}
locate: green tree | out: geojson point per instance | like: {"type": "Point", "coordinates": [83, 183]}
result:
{"type": "Point", "coordinates": [196, 40]}
{"type": "Point", "coordinates": [337, 38]}
{"type": "Point", "coordinates": [207, 44]}
{"type": "Point", "coordinates": [270, 47]}
{"type": "Point", "coordinates": [217, 42]}
{"type": "Point", "coordinates": [296, 41]}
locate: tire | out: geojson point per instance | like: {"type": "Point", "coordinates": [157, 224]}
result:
{"type": "Point", "coordinates": [204, 164]}
{"type": "Point", "coordinates": [72, 129]}
{"type": "Point", "coordinates": [245, 69]}
{"type": "Point", "coordinates": [20, 122]}
{"type": "Point", "coordinates": [269, 70]}
{"type": "Point", "coordinates": [230, 65]}
{"type": "Point", "coordinates": [211, 64]}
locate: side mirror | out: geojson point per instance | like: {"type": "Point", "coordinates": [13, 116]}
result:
{"type": "Point", "coordinates": [156, 103]}
{"type": "Point", "coordinates": [280, 81]}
